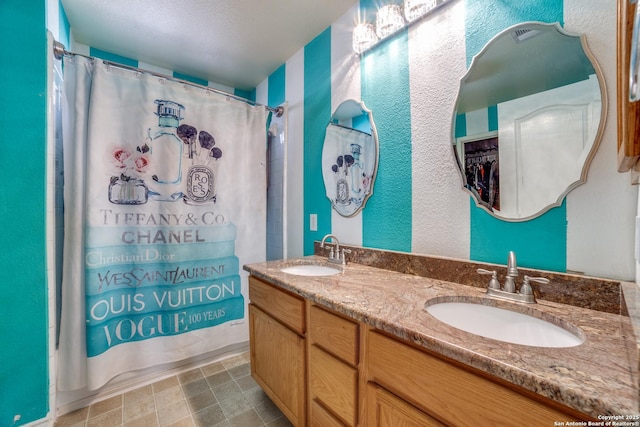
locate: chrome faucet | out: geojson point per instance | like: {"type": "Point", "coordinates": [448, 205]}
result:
{"type": "Point", "coordinates": [512, 273]}
{"type": "Point", "coordinates": [509, 291]}
{"type": "Point", "coordinates": [336, 255]}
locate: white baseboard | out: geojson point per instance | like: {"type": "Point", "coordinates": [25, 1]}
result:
{"type": "Point", "coordinates": [44, 422]}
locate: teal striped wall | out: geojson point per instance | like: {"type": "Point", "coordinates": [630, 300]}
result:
{"type": "Point", "coordinates": [385, 89]}
{"type": "Point", "coordinates": [386, 221]}
{"type": "Point", "coordinates": [64, 29]}
{"type": "Point", "coordinates": [108, 56]}
{"type": "Point", "coordinates": [112, 57]}
{"type": "Point", "coordinates": [24, 353]}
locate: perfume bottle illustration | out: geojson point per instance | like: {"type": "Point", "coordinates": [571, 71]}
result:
{"type": "Point", "coordinates": [341, 169]}
{"type": "Point", "coordinates": [357, 170]}
{"type": "Point", "coordinates": [127, 186]}
{"type": "Point", "coordinates": [166, 150]}
{"type": "Point", "coordinates": [200, 179]}
{"type": "Point", "coordinates": [127, 191]}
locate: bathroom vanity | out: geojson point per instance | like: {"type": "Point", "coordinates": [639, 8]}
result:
{"type": "Point", "coordinates": [357, 347]}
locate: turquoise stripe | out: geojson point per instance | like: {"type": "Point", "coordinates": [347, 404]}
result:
{"type": "Point", "coordinates": [492, 111]}
{"type": "Point", "coordinates": [317, 112]}
{"type": "Point", "coordinates": [387, 218]}
{"type": "Point", "coordinates": [277, 81]}
{"type": "Point", "coordinates": [461, 125]}
{"type": "Point", "coordinates": [24, 376]}
{"type": "Point", "coordinates": [541, 242]}
{"type": "Point", "coordinates": [484, 20]}
{"type": "Point", "coordinates": [361, 123]}
{"type": "Point", "coordinates": [246, 94]}
{"type": "Point", "coordinates": [64, 27]}
{"type": "Point", "coordinates": [191, 79]}
{"type": "Point", "coordinates": [108, 56]}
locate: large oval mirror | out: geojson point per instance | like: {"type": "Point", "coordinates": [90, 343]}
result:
{"type": "Point", "coordinates": [528, 119]}
{"type": "Point", "coordinates": [350, 157]}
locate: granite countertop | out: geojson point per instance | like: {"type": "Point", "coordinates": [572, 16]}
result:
{"type": "Point", "coordinates": [598, 378]}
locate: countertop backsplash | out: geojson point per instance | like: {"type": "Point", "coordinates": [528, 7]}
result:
{"type": "Point", "coordinates": [577, 290]}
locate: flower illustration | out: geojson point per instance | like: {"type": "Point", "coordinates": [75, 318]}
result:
{"type": "Point", "coordinates": [130, 164]}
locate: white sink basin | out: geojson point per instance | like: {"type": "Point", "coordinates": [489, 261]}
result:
{"type": "Point", "coordinates": [503, 325]}
{"type": "Point", "coordinates": [310, 270]}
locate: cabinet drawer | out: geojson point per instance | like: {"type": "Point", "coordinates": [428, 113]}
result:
{"type": "Point", "coordinates": [387, 410]}
{"type": "Point", "coordinates": [281, 305]}
{"type": "Point", "coordinates": [320, 417]}
{"type": "Point", "coordinates": [335, 334]}
{"type": "Point", "coordinates": [448, 392]}
{"type": "Point", "coordinates": [334, 383]}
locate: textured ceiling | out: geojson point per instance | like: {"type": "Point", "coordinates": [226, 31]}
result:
{"type": "Point", "coordinates": [237, 43]}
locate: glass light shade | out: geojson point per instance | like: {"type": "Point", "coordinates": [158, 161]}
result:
{"type": "Point", "coordinates": [388, 20]}
{"type": "Point", "coordinates": [414, 9]}
{"type": "Point", "coordinates": [364, 36]}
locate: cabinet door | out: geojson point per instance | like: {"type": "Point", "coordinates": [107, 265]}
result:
{"type": "Point", "coordinates": [628, 112]}
{"type": "Point", "coordinates": [277, 363]}
{"type": "Point", "coordinates": [388, 410]}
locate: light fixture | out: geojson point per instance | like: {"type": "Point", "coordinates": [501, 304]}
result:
{"type": "Point", "coordinates": [414, 9]}
{"type": "Point", "coordinates": [388, 20]}
{"type": "Point", "coordinates": [364, 36]}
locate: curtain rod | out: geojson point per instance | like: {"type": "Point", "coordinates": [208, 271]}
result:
{"type": "Point", "coordinates": [348, 128]}
{"type": "Point", "coordinates": [59, 52]}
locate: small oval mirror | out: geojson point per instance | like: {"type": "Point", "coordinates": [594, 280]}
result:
{"type": "Point", "coordinates": [350, 157]}
{"type": "Point", "coordinates": [528, 119]}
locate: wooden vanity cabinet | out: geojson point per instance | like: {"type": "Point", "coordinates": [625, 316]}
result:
{"type": "Point", "coordinates": [324, 369]}
{"type": "Point", "coordinates": [303, 356]}
{"type": "Point", "coordinates": [410, 386]}
{"type": "Point", "coordinates": [277, 327]}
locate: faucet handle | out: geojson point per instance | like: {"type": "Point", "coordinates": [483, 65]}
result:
{"type": "Point", "coordinates": [344, 256]}
{"type": "Point", "coordinates": [526, 289]}
{"type": "Point", "coordinates": [493, 283]}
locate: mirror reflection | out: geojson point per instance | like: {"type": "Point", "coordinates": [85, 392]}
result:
{"type": "Point", "coordinates": [528, 119]}
{"type": "Point", "coordinates": [350, 157]}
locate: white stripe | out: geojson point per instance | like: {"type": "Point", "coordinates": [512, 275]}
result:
{"type": "Point", "coordinates": [440, 206]}
{"type": "Point", "coordinates": [294, 90]}
{"type": "Point", "coordinates": [345, 84]}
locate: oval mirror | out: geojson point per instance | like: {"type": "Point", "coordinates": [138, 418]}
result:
{"type": "Point", "coordinates": [350, 157]}
{"type": "Point", "coordinates": [528, 119]}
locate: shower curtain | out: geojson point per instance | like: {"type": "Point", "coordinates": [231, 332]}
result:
{"type": "Point", "coordinates": [164, 201]}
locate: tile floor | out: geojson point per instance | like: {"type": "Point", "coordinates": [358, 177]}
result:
{"type": "Point", "coordinates": [221, 394]}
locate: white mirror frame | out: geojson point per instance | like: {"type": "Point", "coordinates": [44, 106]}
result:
{"type": "Point", "coordinates": [587, 158]}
